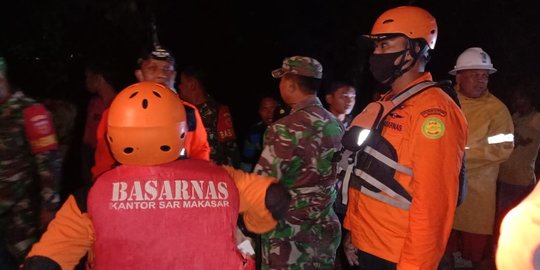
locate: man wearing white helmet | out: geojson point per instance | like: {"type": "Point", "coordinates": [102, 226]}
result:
{"type": "Point", "coordinates": [490, 142]}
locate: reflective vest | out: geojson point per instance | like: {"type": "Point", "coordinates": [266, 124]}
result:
{"type": "Point", "coordinates": [180, 215]}
{"type": "Point", "coordinates": [368, 162]}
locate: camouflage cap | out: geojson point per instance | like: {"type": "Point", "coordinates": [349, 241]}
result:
{"type": "Point", "coordinates": [300, 65]}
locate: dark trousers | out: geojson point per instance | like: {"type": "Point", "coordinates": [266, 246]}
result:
{"type": "Point", "coordinates": [341, 262]}
{"type": "Point", "coordinates": [370, 262]}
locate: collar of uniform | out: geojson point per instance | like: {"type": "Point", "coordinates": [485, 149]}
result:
{"type": "Point", "coordinates": [310, 101]}
{"type": "Point", "coordinates": [485, 95]}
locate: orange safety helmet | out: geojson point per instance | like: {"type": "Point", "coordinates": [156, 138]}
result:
{"type": "Point", "coordinates": [146, 125]}
{"type": "Point", "coordinates": [413, 22]}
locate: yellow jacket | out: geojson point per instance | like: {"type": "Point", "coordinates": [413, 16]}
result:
{"type": "Point", "coordinates": [487, 117]}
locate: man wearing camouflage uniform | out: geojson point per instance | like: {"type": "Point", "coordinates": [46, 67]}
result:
{"type": "Point", "coordinates": [29, 172]}
{"type": "Point", "coordinates": [216, 117]}
{"type": "Point", "coordinates": [298, 150]}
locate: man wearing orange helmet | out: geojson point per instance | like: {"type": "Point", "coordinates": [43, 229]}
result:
{"type": "Point", "coordinates": [157, 66]}
{"type": "Point", "coordinates": [155, 211]}
{"type": "Point", "coordinates": [404, 181]}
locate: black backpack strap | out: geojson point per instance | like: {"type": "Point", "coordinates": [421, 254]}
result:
{"type": "Point", "coordinates": [81, 197]}
{"type": "Point", "coordinates": [190, 118]}
{"type": "Point", "coordinates": [447, 87]}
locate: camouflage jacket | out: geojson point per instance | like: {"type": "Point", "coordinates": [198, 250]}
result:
{"type": "Point", "coordinates": [223, 147]}
{"type": "Point", "coordinates": [298, 150]}
{"type": "Point", "coordinates": [29, 170]}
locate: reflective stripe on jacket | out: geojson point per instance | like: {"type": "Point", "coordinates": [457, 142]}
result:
{"type": "Point", "coordinates": [488, 117]}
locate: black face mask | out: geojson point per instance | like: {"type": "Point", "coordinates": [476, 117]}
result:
{"type": "Point", "coordinates": [382, 66]}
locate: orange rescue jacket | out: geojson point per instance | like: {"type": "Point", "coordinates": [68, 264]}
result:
{"type": "Point", "coordinates": [429, 133]}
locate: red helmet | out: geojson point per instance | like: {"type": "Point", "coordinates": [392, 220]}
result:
{"type": "Point", "coordinates": [413, 22]}
{"type": "Point", "coordinates": [146, 125]}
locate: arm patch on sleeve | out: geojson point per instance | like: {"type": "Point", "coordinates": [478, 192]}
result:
{"type": "Point", "coordinates": [434, 111]}
{"type": "Point", "coordinates": [39, 128]}
{"type": "Point", "coordinates": [433, 128]}
{"type": "Point", "coordinates": [225, 129]}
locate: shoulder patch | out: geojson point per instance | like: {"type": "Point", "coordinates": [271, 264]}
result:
{"type": "Point", "coordinates": [433, 128]}
{"type": "Point", "coordinates": [225, 129]}
{"type": "Point", "coordinates": [39, 128]}
{"type": "Point", "coordinates": [434, 111]}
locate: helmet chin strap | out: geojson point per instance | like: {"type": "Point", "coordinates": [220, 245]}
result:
{"type": "Point", "coordinates": [399, 70]}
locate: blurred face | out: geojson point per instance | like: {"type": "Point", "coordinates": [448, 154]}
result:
{"type": "Point", "coordinates": [266, 109]}
{"type": "Point", "coordinates": [156, 71]}
{"type": "Point", "coordinates": [342, 100]}
{"type": "Point", "coordinates": [472, 83]}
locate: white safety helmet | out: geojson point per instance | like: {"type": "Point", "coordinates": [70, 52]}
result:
{"type": "Point", "coordinates": [473, 58]}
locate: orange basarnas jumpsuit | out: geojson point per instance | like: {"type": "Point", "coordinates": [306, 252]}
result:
{"type": "Point", "coordinates": [429, 134]}
{"type": "Point", "coordinates": [196, 143]}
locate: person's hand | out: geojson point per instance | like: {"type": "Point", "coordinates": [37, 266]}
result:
{"type": "Point", "coordinates": [350, 250]}
{"type": "Point", "coordinates": [277, 200]}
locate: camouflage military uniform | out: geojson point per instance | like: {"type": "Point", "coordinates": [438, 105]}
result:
{"type": "Point", "coordinates": [22, 163]}
{"type": "Point", "coordinates": [298, 151]}
{"type": "Point", "coordinates": [223, 147]}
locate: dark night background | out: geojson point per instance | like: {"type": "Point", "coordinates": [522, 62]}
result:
{"type": "Point", "coordinates": [239, 42]}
